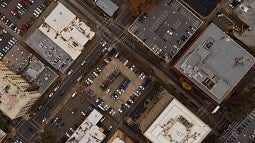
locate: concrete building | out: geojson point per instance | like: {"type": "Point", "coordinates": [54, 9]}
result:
{"type": "Point", "coordinates": [166, 29]}
{"type": "Point", "coordinates": [61, 38]}
{"type": "Point", "coordinates": [107, 6]}
{"type": "Point", "coordinates": [88, 131]}
{"type": "Point", "coordinates": [120, 137]}
{"type": "Point", "coordinates": [2, 135]}
{"type": "Point", "coordinates": [246, 11]}
{"type": "Point", "coordinates": [215, 63]}
{"type": "Point", "coordinates": [49, 51]}
{"type": "Point", "coordinates": [21, 61]}
{"type": "Point", "coordinates": [14, 97]}
{"type": "Point", "coordinates": [177, 124]}
{"type": "Point", "coordinates": [66, 30]}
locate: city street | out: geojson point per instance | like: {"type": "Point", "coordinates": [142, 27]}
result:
{"type": "Point", "coordinates": [69, 106]}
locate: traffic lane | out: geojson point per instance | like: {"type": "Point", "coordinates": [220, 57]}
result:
{"type": "Point", "coordinates": [125, 18]}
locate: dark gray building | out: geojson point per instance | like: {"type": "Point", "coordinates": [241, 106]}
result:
{"type": "Point", "coordinates": [107, 6]}
{"type": "Point", "coordinates": [215, 63]}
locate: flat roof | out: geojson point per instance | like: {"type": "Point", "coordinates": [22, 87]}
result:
{"type": "Point", "coordinates": [67, 30]}
{"type": "Point", "coordinates": [94, 117]}
{"type": "Point", "coordinates": [211, 63]}
{"type": "Point", "coordinates": [203, 7]}
{"type": "Point", "coordinates": [246, 11]}
{"type": "Point", "coordinates": [166, 29]}
{"type": "Point", "coordinates": [59, 18]}
{"type": "Point", "coordinates": [107, 6]}
{"type": "Point", "coordinates": [49, 50]}
{"type": "Point", "coordinates": [177, 124]}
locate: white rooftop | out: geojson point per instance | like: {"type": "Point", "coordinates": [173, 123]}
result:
{"type": "Point", "coordinates": [211, 63]}
{"type": "Point", "coordinates": [67, 31]}
{"type": "Point", "coordinates": [88, 131]}
{"type": "Point", "coordinates": [60, 18]}
{"type": "Point", "coordinates": [177, 124]}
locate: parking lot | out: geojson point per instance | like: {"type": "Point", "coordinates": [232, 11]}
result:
{"type": "Point", "coordinates": [165, 30]}
{"type": "Point", "coordinates": [6, 42]}
{"type": "Point", "coordinates": [20, 15]}
{"type": "Point", "coordinates": [115, 83]}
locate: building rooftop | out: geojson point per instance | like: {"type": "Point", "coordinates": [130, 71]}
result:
{"type": "Point", "coordinates": [204, 8]}
{"type": "Point", "coordinates": [246, 11]}
{"type": "Point", "coordinates": [177, 124]}
{"type": "Point", "coordinates": [66, 30]}
{"type": "Point", "coordinates": [21, 61]}
{"type": "Point", "coordinates": [245, 131]}
{"type": "Point", "coordinates": [213, 63]}
{"type": "Point", "coordinates": [166, 29]}
{"type": "Point", "coordinates": [107, 6]}
{"type": "Point", "coordinates": [120, 137]}
{"type": "Point", "coordinates": [13, 92]}
{"type": "Point", "coordinates": [88, 131]}
{"type": "Point", "coordinates": [59, 18]}
{"type": "Point", "coordinates": [49, 51]}
{"type": "Point", "coordinates": [2, 135]}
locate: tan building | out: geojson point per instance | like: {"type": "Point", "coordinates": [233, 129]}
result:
{"type": "Point", "coordinates": [120, 137]}
{"type": "Point", "coordinates": [15, 100]}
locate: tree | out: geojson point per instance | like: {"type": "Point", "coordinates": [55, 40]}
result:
{"type": "Point", "coordinates": [252, 89]}
{"type": "Point", "coordinates": [138, 7]}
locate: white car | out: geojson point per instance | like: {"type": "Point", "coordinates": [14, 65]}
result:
{"type": "Point", "coordinates": [44, 119]}
{"type": "Point", "coordinates": [70, 72]}
{"type": "Point", "coordinates": [79, 79]}
{"type": "Point", "coordinates": [68, 135]}
{"type": "Point", "coordinates": [83, 113]}
{"type": "Point", "coordinates": [125, 63]}
{"type": "Point", "coordinates": [84, 62]}
{"type": "Point", "coordinates": [71, 129]}
{"type": "Point", "coordinates": [51, 94]}
{"type": "Point", "coordinates": [56, 88]}
{"type": "Point", "coordinates": [103, 43]}
{"type": "Point", "coordinates": [109, 128]}
{"type": "Point", "coordinates": [74, 94]}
